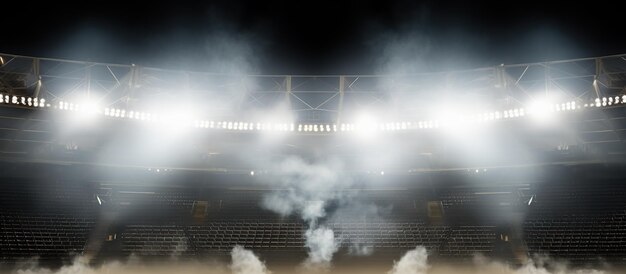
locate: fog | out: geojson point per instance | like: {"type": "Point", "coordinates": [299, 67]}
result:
{"type": "Point", "coordinates": [305, 186]}
{"type": "Point", "coordinates": [244, 261]}
{"type": "Point", "coordinates": [306, 190]}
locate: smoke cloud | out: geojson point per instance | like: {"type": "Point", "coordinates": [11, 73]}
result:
{"type": "Point", "coordinates": [402, 52]}
{"type": "Point", "coordinates": [322, 245]}
{"type": "Point", "coordinates": [76, 268]}
{"type": "Point", "coordinates": [359, 249]}
{"type": "Point", "coordinates": [245, 262]}
{"type": "Point", "coordinates": [308, 190]}
{"type": "Point", "coordinates": [413, 262]}
{"type": "Point", "coordinates": [537, 265]}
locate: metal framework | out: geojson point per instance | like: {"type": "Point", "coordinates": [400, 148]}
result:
{"type": "Point", "coordinates": [313, 98]}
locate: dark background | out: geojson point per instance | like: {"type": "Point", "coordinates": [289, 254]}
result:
{"type": "Point", "coordinates": [313, 37]}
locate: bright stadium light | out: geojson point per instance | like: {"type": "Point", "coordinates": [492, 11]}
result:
{"type": "Point", "coordinates": [89, 107]}
{"type": "Point", "coordinates": [173, 122]}
{"type": "Point", "coordinates": [82, 111]}
{"type": "Point", "coordinates": [541, 110]}
{"type": "Point", "coordinates": [454, 120]}
{"type": "Point", "coordinates": [366, 126]}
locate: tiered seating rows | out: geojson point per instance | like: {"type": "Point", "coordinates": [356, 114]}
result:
{"type": "Point", "coordinates": [222, 236]}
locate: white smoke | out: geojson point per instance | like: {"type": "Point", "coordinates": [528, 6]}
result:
{"type": "Point", "coordinates": [402, 52]}
{"type": "Point", "coordinates": [245, 262]}
{"type": "Point", "coordinates": [359, 249]}
{"type": "Point", "coordinates": [179, 249]}
{"type": "Point", "coordinates": [536, 265]}
{"type": "Point", "coordinates": [322, 245]}
{"type": "Point", "coordinates": [78, 266]}
{"type": "Point", "coordinates": [413, 262]}
{"type": "Point", "coordinates": [359, 211]}
{"type": "Point", "coordinates": [309, 188]}
{"type": "Point", "coordinates": [547, 266]}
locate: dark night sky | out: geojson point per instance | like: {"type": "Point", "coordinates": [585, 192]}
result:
{"type": "Point", "coordinates": [302, 37]}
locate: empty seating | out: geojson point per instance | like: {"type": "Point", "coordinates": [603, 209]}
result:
{"type": "Point", "coordinates": [579, 238]}
{"type": "Point", "coordinates": [221, 237]}
{"type": "Point", "coordinates": [43, 235]}
{"type": "Point", "coordinates": [466, 241]}
{"type": "Point", "coordinates": [48, 220]}
{"type": "Point", "coordinates": [152, 240]}
{"type": "Point", "coordinates": [389, 235]}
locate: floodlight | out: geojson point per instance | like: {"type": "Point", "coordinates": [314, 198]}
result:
{"type": "Point", "coordinates": [366, 124]}
{"type": "Point", "coordinates": [541, 111]}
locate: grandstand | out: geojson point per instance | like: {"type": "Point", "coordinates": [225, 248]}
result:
{"type": "Point", "coordinates": [107, 161]}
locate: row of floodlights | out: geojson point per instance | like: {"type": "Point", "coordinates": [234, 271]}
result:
{"type": "Point", "coordinates": [23, 101]}
{"type": "Point", "coordinates": [343, 127]}
{"type": "Point", "coordinates": [319, 128]}
{"type": "Point", "coordinates": [607, 101]}
{"type": "Point", "coordinates": [137, 115]}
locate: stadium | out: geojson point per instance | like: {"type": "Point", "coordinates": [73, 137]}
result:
{"type": "Point", "coordinates": [258, 137]}
{"type": "Point", "coordinates": [110, 163]}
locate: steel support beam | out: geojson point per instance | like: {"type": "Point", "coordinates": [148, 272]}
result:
{"type": "Point", "coordinates": [342, 90]}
